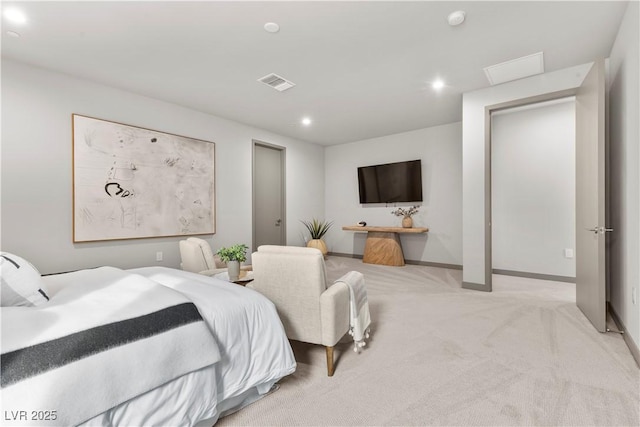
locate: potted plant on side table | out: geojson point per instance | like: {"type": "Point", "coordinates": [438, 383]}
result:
{"type": "Point", "coordinates": [233, 256]}
{"type": "Point", "coordinates": [317, 229]}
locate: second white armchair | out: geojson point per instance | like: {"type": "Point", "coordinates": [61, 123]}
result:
{"type": "Point", "coordinates": [294, 279]}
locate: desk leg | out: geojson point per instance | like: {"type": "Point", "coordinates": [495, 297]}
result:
{"type": "Point", "coordinates": [383, 248]}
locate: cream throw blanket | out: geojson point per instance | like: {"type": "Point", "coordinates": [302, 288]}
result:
{"type": "Point", "coordinates": [359, 318]}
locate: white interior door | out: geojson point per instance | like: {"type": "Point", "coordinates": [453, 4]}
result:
{"type": "Point", "coordinates": [268, 195]}
{"type": "Point", "coordinates": [590, 198]}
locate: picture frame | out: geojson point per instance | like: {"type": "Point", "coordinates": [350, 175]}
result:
{"type": "Point", "coordinates": [131, 182]}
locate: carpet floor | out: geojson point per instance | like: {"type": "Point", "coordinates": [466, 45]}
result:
{"type": "Point", "coordinates": [522, 355]}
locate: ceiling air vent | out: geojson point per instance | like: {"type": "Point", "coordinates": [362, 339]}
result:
{"type": "Point", "coordinates": [515, 69]}
{"type": "Point", "coordinates": [275, 81]}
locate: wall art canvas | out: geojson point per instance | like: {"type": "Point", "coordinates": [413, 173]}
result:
{"type": "Point", "coordinates": [131, 183]}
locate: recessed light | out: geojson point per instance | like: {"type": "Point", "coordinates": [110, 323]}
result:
{"type": "Point", "coordinates": [13, 34]}
{"type": "Point", "coordinates": [15, 16]}
{"type": "Point", "coordinates": [306, 121]}
{"type": "Point", "coordinates": [438, 84]}
{"type": "Point", "coordinates": [456, 18]}
{"type": "Point", "coordinates": [271, 27]}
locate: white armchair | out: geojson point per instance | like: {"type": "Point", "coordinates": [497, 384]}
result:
{"type": "Point", "coordinates": [198, 257]}
{"type": "Point", "coordinates": [294, 279]}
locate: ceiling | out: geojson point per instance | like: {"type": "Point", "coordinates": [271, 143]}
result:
{"type": "Point", "coordinates": [362, 69]}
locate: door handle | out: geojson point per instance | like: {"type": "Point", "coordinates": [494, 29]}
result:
{"type": "Point", "coordinates": [600, 230]}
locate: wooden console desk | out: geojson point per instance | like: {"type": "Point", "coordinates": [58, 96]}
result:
{"type": "Point", "coordinates": [383, 243]}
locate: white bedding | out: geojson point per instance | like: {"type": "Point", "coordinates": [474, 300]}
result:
{"type": "Point", "coordinates": [106, 337]}
{"type": "Point", "coordinates": [254, 350]}
{"type": "Point", "coordinates": [182, 402]}
{"type": "Point", "coordinates": [253, 346]}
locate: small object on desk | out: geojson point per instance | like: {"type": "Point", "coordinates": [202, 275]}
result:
{"type": "Point", "coordinates": [362, 223]}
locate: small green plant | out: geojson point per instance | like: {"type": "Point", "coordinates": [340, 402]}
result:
{"type": "Point", "coordinates": [317, 228]}
{"type": "Point", "coordinates": [233, 253]}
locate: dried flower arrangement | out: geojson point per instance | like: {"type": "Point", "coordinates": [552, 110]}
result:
{"type": "Point", "coordinates": [407, 213]}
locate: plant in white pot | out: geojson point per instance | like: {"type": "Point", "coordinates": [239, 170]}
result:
{"type": "Point", "coordinates": [233, 256]}
{"type": "Point", "coordinates": [317, 229]}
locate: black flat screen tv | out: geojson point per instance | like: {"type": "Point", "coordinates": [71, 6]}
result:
{"type": "Point", "coordinates": [391, 182]}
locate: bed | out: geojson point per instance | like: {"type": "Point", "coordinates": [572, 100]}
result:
{"type": "Point", "coordinates": [188, 349]}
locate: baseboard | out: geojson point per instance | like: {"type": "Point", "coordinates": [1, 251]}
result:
{"type": "Point", "coordinates": [476, 287]}
{"type": "Point", "coordinates": [406, 261]}
{"type": "Point", "coordinates": [633, 348]}
{"type": "Point", "coordinates": [434, 264]}
{"type": "Point", "coordinates": [566, 279]}
{"type": "Point", "coordinates": [345, 255]}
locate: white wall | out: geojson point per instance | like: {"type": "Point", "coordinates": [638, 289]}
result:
{"type": "Point", "coordinates": [36, 170]}
{"type": "Point", "coordinates": [624, 141]}
{"type": "Point", "coordinates": [475, 220]}
{"type": "Point", "coordinates": [439, 148]}
{"type": "Point", "coordinates": [533, 188]}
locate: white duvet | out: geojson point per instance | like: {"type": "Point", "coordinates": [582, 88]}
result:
{"type": "Point", "coordinates": [105, 338]}
{"type": "Point", "coordinates": [254, 351]}
{"type": "Point", "coordinates": [253, 346]}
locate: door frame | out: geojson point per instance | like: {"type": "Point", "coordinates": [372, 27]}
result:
{"type": "Point", "coordinates": [474, 162]}
{"type": "Point", "coordinates": [488, 235]}
{"type": "Point", "coordinates": [283, 157]}
{"type": "Point", "coordinates": [526, 102]}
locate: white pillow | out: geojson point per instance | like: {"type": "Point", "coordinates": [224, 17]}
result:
{"type": "Point", "coordinates": [21, 283]}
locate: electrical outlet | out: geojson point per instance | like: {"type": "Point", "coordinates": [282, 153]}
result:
{"type": "Point", "coordinates": [634, 296]}
{"type": "Point", "coordinates": [568, 253]}
{"type": "Point", "coordinates": [158, 256]}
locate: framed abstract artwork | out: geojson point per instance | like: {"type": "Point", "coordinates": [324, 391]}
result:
{"type": "Point", "coordinates": [132, 183]}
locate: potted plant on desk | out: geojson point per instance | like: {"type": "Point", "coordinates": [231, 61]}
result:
{"type": "Point", "coordinates": [317, 229]}
{"type": "Point", "coordinates": [233, 256]}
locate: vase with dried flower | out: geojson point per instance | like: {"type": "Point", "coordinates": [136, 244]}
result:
{"type": "Point", "coordinates": [406, 214]}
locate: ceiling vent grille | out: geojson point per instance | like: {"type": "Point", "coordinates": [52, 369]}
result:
{"type": "Point", "coordinates": [275, 81]}
{"type": "Point", "coordinates": [515, 69]}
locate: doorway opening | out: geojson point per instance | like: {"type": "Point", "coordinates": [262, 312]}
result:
{"type": "Point", "coordinates": [533, 175]}
{"type": "Point", "coordinates": [269, 202]}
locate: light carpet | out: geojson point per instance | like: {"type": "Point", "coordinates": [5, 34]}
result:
{"type": "Point", "coordinates": [523, 354]}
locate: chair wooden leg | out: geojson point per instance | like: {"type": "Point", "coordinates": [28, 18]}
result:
{"type": "Point", "coordinates": [330, 361]}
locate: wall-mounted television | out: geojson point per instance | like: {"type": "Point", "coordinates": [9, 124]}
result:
{"type": "Point", "coordinates": [391, 182]}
